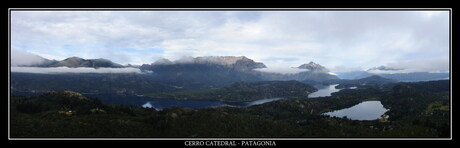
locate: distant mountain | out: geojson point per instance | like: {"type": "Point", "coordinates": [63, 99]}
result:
{"type": "Point", "coordinates": [238, 63]}
{"type": "Point", "coordinates": [313, 67]}
{"type": "Point", "coordinates": [392, 73]}
{"type": "Point", "coordinates": [80, 62]}
{"type": "Point", "coordinates": [376, 79]}
{"type": "Point", "coordinates": [315, 74]}
{"type": "Point", "coordinates": [44, 63]}
{"type": "Point", "coordinates": [74, 62]}
{"type": "Point", "coordinates": [373, 81]}
{"type": "Point", "coordinates": [416, 76]}
{"type": "Point", "coordinates": [406, 77]}
{"type": "Point", "coordinates": [382, 68]}
{"type": "Point", "coordinates": [204, 72]}
{"type": "Point", "coordinates": [162, 61]}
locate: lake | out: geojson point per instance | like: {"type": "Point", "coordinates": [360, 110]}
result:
{"type": "Point", "coordinates": [324, 91]}
{"type": "Point", "coordinates": [161, 103]}
{"type": "Point", "coordinates": [367, 110]}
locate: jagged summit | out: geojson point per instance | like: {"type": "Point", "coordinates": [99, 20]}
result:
{"type": "Point", "coordinates": [312, 66]}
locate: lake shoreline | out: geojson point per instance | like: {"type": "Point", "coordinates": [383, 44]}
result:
{"type": "Point", "coordinates": [141, 100]}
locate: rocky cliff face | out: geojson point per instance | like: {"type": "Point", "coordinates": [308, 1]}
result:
{"type": "Point", "coordinates": [313, 67]}
{"type": "Point", "coordinates": [245, 64]}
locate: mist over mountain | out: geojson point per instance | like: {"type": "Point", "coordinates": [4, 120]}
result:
{"type": "Point", "coordinates": [351, 74]}
{"type": "Point", "coordinates": [32, 60]}
{"type": "Point", "coordinates": [22, 58]}
{"type": "Point", "coordinates": [80, 62]}
{"type": "Point", "coordinates": [313, 67]}
{"type": "Point", "coordinates": [189, 73]}
{"type": "Point", "coordinates": [383, 68]}
{"type": "Point", "coordinates": [313, 73]}
{"type": "Point", "coordinates": [185, 73]}
{"type": "Point", "coordinates": [204, 72]}
{"type": "Point", "coordinates": [411, 77]}
{"type": "Point", "coordinates": [238, 63]}
{"type": "Point", "coordinates": [409, 74]}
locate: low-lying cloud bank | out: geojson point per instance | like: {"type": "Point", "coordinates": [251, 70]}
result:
{"type": "Point", "coordinates": [281, 70]}
{"type": "Point", "coordinates": [19, 57]}
{"type": "Point", "coordinates": [60, 70]}
{"type": "Point", "coordinates": [433, 65]}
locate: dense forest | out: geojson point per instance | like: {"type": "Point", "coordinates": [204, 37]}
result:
{"type": "Point", "coordinates": [243, 91]}
{"type": "Point", "coordinates": [414, 112]}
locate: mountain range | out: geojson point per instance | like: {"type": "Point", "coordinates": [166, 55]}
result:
{"type": "Point", "coordinates": [74, 62]}
{"type": "Point", "coordinates": [313, 74]}
{"type": "Point", "coordinates": [392, 73]}
{"type": "Point", "coordinates": [164, 75]}
{"type": "Point", "coordinates": [374, 81]}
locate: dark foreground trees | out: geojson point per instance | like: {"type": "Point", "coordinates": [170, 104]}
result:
{"type": "Point", "coordinates": [414, 112]}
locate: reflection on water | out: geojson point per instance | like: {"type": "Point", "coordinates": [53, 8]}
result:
{"type": "Point", "coordinates": [159, 103]}
{"type": "Point", "coordinates": [262, 101]}
{"type": "Point", "coordinates": [324, 91]}
{"type": "Point", "coordinates": [368, 110]}
{"type": "Point", "coordinates": [256, 102]}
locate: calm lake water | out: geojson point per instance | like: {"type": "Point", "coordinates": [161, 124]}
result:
{"type": "Point", "coordinates": [324, 91]}
{"type": "Point", "coordinates": [368, 110]}
{"type": "Point", "coordinates": [161, 103]}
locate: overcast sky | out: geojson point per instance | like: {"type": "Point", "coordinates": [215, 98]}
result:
{"type": "Point", "coordinates": [338, 40]}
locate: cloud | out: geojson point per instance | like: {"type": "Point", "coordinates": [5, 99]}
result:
{"type": "Point", "coordinates": [19, 57]}
{"type": "Point", "coordinates": [344, 69]}
{"type": "Point", "coordinates": [425, 65]}
{"type": "Point", "coordinates": [331, 38]}
{"type": "Point", "coordinates": [60, 70]}
{"type": "Point", "coordinates": [281, 70]}
{"type": "Point", "coordinates": [185, 60]}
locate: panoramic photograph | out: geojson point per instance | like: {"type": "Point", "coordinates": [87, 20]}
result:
{"type": "Point", "coordinates": [229, 73]}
